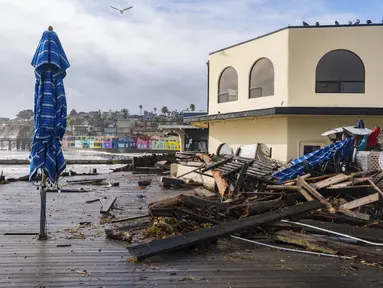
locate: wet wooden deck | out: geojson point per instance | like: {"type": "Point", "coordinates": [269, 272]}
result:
{"type": "Point", "coordinates": [28, 262]}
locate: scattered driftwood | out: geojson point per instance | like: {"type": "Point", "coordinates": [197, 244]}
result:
{"type": "Point", "coordinates": [205, 235]}
{"type": "Point", "coordinates": [326, 245]}
{"type": "Point", "coordinates": [107, 204]}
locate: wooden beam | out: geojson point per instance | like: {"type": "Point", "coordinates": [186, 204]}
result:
{"type": "Point", "coordinates": [375, 187]}
{"type": "Point", "coordinates": [282, 188]}
{"type": "Point", "coordinates": [107, 204]}
{"type": "Point", "coordinates": [154, 247]}
{"type": "Point", "coordinates": [311, 190]}
{"type": "Point", "coordinates": [241, 177]}
{"type": "Point", "coordinates": [360, 202]}
{"type": "Point", "coordinates": [331, 181]}
{"type": "Point", "coordinates": [355, 214]}
{"type": "Point", "coordinates": [327, 245]}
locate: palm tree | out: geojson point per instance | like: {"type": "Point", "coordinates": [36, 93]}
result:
{"type": "Point", "coordinates": [164, 110]}
{"type": "Point", "coordinates": [140, 109]}
{"type": "Point", "coordinates": [192, 107]}
{"type": "Point", "coordinates": [155, 109]}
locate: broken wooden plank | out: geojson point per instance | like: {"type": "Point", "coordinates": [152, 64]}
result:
{"type": "Point", "coordinates": [86, 181]}
{"type": "Point", "coordinates": [188, 201]}
{"type": "Point", "coordinates": [169, 181]}
{"type": "Point", "coordinates": [354, 181]}
{"type": "Point", "coordinates": [375, 187]}
{"type": "Point", "coordinates": [92, 201]}
{"type": "Point", "coordinates": [129, 218]}
{"type": "Point", "coordinates": [355, 214]}
{"type": "Point", "coordinates": [107, 204]}
{"type": "Point", "coordinates": [154, 247]}
{"type": "Point", "coordinates": [282, 188]}
{"type": "Point", "coordinates": [255, 207]}
{"type": "Point", "coordinates": [313, 192]}
{"type": "Point", "coordinates": [326, 245]}
{"type": "Point", "coordinates": [331, 181]}
{"type": "Point", "coordinates": [181, 213]}
{"type": "Point", "coordinates": [67, 190]}
{"type": "Point", "coordinates": [360, 202]}
{"type": "Point", "coordinates": [218, 164]}
{"type": "Point", "coordinates": [241, 177]}
{"type": "Point", "coordinates": [369, 234]}
{"type": "Point", "coordinates": [305, 194]}
{"type": "Point", "coordinates": [147, 170]}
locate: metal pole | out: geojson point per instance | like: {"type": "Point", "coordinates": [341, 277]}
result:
{"type": "Point", "coordinates": [43, 218]}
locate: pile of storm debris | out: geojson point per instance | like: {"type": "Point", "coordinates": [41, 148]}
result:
{"type": "Point", "coordinates": [149, 164]}
{"type": "Point", "coordinates": [332, 210]}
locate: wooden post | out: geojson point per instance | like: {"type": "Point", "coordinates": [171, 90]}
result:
{"type": "Point", "coordinates": [43, 218]}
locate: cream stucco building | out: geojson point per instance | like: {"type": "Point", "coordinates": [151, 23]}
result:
{"type": "Point", "coordinates": [287, 87]}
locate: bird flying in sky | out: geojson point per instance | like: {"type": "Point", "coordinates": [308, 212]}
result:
{"type": "Point", "coordinates": [121, 10]}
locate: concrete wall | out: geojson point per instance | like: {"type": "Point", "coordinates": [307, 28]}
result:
{"type": "Point", "coordinates": [308, 129]}
{"type": "Point", "coordinates": [269, 130]}
{"type": "Point", "coordinates": [311, 44]}
{"type": "Point", "coordinates": [242, 58]}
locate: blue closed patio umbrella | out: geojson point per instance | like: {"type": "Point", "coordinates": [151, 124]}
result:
{"type": "Point", "coordinates": [50, 63]}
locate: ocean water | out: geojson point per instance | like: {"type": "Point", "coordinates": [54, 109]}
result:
{"type": "Point", "coordinates": [14, 171]}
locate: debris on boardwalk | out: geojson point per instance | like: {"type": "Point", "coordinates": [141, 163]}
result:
{"type": "Point", "coordinates": [333, 212]}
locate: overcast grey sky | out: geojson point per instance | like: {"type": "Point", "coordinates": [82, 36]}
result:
{"type": "Point", "coordinates": [154, 55]}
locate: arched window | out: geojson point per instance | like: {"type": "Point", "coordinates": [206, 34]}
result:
{"type": "Point", "coordinates": [340, 71]}
{"type": "Point", "coordinates": [228, 85]}
{"type": "Point", "coordinates": [262, 79]}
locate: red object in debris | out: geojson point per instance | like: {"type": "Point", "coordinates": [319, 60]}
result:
{"type": "Point", "coordinates": [373, 138]}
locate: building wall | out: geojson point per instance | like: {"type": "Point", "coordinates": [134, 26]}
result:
{"type": "Point", "coordinates": [269, 130]}
{"type": "Point", "coordinates": [313, 43]}
{"type": "Point", "coordinates": [242, 58]}
{"type": "Point", "coordinates": [308, 129]}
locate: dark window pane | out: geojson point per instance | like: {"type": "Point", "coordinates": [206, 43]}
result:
{"type": "Point", "coordinates": [326, 87]}
{"type": "Point", "coordinates": [228, 86]}
{"type": "Point", "coordinates": [340, 71]}
{"type": "Point", "coordinates": [262, 79]}
{"type": "Point", "coordinates": [352, 87]}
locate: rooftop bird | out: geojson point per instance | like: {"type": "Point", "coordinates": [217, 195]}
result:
{"type": "Point", "coordinates": [357, 22]}
{"type": "Point", "coordinates": [316, 23]}
{"type": "Point", "coordinates": [349, 22]}
{"type": "Point", "coordinates": [305, 24]}
{"type": "Point", "coordinates": [336, 23]}
{"type": "Point", "coordinates": [369, 22]}
{"type": "Point", "coordinates": [121, 10]}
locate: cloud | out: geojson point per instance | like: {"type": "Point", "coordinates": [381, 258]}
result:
{"type": "Point", "coordinates": [155, 54]}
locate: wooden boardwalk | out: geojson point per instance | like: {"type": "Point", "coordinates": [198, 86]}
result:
{"type": "Point", "coordinates": [27, 262]}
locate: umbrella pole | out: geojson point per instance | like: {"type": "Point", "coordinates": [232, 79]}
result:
{"type": "Point", "coordinates": [43, 218]}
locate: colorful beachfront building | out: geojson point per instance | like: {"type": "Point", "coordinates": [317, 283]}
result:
{"type": "Point", "coordinates": [107, 142]}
